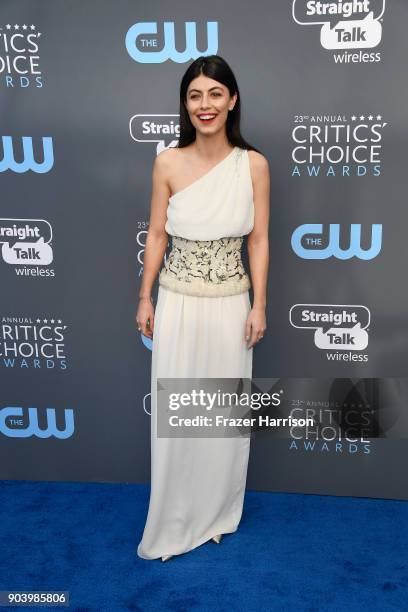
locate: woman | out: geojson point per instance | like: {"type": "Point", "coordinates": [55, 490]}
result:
{"type": "Point", "coordinates": [208, 193]}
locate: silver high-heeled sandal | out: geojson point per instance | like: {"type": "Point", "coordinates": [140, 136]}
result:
{"type": "Point", "coordinates": [217, 538]}
{"type": "Point", "coordinates": [166, 557]}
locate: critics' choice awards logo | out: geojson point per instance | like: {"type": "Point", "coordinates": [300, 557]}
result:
{"type": "Point", "coordinates": [148, 43]}
{"type": "Point", "coordinates": [24, 152]}
{"type": "Point", "coordinates": [26, 243]}
{"type": "Point", "coordinates": [33, 343]}
{"type": "Point", "coordinates": [19, 56]}
{"type": "Point", "coordinates": [337, 145]}
{"type": "Point", "coordinates": [164, 130]}
{"type": "Point", "coordinates": [354, 24]}
{"type": "Point", "coordinates": [340, 428]}
{"type": "Point", "coordinates": [310, 242]}
{"type": "Point", "coordinates": [340, 330]}
{"type": "Point", "coordinates": [22, 422]}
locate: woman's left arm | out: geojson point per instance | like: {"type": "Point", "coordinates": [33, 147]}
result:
{"type": "Point", "coordinates": [258, 247]}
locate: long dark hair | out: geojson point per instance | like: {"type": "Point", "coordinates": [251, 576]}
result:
{"type": "Point", "coordinates": [214, 67]}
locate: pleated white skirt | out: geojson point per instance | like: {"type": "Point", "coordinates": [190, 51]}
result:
{"type": "Point", "coordinates": [197, 484]}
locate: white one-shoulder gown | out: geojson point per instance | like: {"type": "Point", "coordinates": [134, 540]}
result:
{"type": "Point", "coordinates": [198, 484]}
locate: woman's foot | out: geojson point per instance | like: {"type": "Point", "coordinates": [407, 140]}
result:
{"type": "Point", "coordinates": [166, 557]}
{"type": "Point", "coordinates": [217, 538]}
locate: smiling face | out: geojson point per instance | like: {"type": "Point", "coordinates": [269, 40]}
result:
{"type": "Point", "coordinates": [208, 103]}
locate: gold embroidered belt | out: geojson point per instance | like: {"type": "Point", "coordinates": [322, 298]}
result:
{"type": "Point", "coordinates": [205, 267]}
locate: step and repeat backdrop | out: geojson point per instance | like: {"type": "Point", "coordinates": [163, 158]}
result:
{"type": "Point", "coordinates": [89, 95]}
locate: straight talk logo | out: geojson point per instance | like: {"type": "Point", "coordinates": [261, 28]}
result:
{"type": "Point", "coordinates": [340, 331]}
{"type": "Point", "coordinates": [354, 24]}
{"type": "Point", "coordinates": [26, 246]}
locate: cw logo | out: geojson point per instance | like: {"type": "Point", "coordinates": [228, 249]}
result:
{"type": "Point", "coordinates": [138, 39]}
{"type": "Point", "coordinates": [313, 241]}
{"type": "Point", "coordinates": [12, 415]}
{"type": "Point", "coordinates": [9, 163]}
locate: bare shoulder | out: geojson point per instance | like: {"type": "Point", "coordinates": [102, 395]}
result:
{"type": "Point", "coordinates": [258, 162]}
{"type": "Point", "coordinates": [259, 168]}
{"type": "Point", "coordinates": [164, 166]}
{"type": "Point", "coordinates": [166, 158]}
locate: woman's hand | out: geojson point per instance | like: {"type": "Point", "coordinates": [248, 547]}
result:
{"type": "Point", "coordinates": [145, 317]}
{"type": "Point", "coordinates": [255, 326]}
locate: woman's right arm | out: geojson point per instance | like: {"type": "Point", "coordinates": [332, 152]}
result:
{"type": "Point", "coordinates": [156, 242]}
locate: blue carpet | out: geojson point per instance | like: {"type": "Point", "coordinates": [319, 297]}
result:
{"type": "Point", "coordinates": [291, 552]}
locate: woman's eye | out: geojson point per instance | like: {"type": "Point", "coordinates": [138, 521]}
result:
{"type": "Point", "coordinates": [215, 93]}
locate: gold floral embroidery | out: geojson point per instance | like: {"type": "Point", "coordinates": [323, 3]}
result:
{"type": "Point", "coordinates": [205, 267]}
